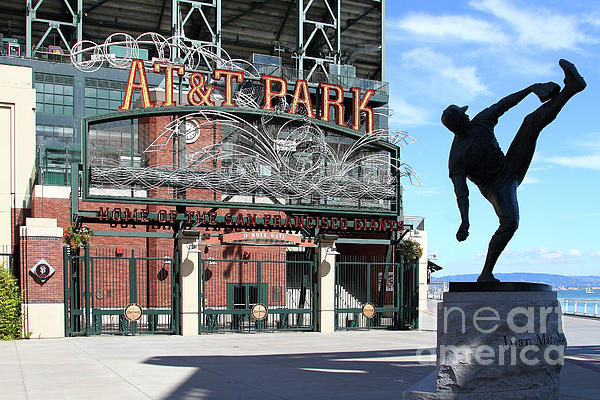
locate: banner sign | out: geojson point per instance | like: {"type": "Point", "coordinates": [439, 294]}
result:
{"type": "Point", "coordinates": [126, 216]}
{"type": "Point", "coordinates": [262, 238]}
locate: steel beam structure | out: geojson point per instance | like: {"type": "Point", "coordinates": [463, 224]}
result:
{"type": "Point", "coordinates": [318, 31]}
{"type": "Point", "coordinates": [179, 19]}
{"type": "Point", "coordinates": [31, 18]}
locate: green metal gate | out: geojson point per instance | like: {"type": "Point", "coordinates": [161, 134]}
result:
{"type": "Point", "coordinates": [390, 288]}
{"type": "Point", "coordinates": [231, 288]}
{"type": "Point", "coordinates": [99, 288]}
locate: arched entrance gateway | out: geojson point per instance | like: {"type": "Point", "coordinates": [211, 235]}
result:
{"type": "Point", "coordinates": [253, 205]}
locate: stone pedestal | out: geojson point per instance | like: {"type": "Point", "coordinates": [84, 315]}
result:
{"type": "Point", "coordinates": [502, 343]}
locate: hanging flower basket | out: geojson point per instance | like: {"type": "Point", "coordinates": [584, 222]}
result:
{"type": "Point", "coordinates": [410, 250]}
{"type": "Point", "coordinates": [78, 236]}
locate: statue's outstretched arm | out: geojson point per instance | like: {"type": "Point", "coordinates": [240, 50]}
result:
{"type": "Point", "coordinates": [544, 91]}
{"type": "Point", "coordinates": [495, 111]}
{"type": "Point", "coordinates": [462, 199]}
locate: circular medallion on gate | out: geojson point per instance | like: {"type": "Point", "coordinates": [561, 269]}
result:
{"type": "Point", "coordinates": [368, 310]}
{"type": "Point", "coordinates": [133, 312]}
{"type": "Point", "coordinates": [259, 312]}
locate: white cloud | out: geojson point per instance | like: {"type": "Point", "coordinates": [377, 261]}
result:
{"type": "Point", "coordinates": [537, 27]}
{"type": "Point", "coordinates": [405, 114]}
{"type": "Point", "coordinates": [449, 28]}
{"type": "Point", "coordinates": [540, 255]}
{"type": "Point", "coordinates": [525, 66]}
{"type": "Point", "coordinates": [421, 191]}
{"type": "Point", "coordinates": [443, 66]}
{"type": "Point", "coordinates": [585, 215]}
{"type": "Point", "coordinates": [590, 142]}
{"type": "Point", "coordinates": [592, 20]}
{"type": "Point", "coordinates": [539, 168]}
{"type": "Point", "coordinates": [591, 161]}
{"type": "Point", "coordinates": [573, 253]}
{"type": "Point", "coordinates": [543, 254]}
{"type": "Point", "coordinates": [529, 180]}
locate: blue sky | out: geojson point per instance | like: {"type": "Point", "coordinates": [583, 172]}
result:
{"type": "Point", "coordinates": [476, 52]}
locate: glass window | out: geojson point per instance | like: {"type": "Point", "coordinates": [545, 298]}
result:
{"type": "Point", "coordinates": [54, 135]}
{"type": "Point", "coordinates": [90, 92]}
{"type": "Point", "coordinates": [52, 92]}
{"type": "Point", "coordinates": [116, 95]}
{"type": "Point", "coordinates": [104, 97]}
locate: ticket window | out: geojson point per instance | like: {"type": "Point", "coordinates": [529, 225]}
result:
{"type": "Point", "coordinates": [245, 295]}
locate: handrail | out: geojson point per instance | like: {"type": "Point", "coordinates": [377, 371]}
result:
{"type": "Point", "coordinates": [583, 307]}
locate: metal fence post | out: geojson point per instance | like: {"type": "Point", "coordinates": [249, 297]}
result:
{"type": "Point", "coordinates": [315, 289]}
{"type": "Point", "coordinates": [66, 289]}
{"type": "Point", "coordinates": [202, 295]}
{"type": "Point", "coordinates": [86, 296]}
{"type": "Point", "coordinates": [397, 274]}
{"type": "Point", "coordinates": [401, 294]}
{"type": "Point", "coordinates": [132, 290]}
{"type": "Point", "coordinates": [259, 292]}
{"type": "Point", "coordinates": [416, 294]}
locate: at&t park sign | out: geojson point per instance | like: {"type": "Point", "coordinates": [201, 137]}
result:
{"type": "Point", "coordinates": [200, 94]}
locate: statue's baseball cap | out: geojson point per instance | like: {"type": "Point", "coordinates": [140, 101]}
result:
{"type": "Point", "coordinates": [453, 110]}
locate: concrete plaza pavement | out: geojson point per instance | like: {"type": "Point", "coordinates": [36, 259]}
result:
{"type": "Point", "coordinates": [343, 365]}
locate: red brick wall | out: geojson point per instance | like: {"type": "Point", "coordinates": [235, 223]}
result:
{"type": "Point", "coordinates": [33, 249]}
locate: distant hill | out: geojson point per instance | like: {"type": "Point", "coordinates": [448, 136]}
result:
{"type": "Point", "coordinates": [550, 279]}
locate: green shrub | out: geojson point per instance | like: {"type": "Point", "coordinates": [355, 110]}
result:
{"type": "Point", "coordinates": [410, 250]}
{"type": "Point", "coordinates": [10, 306]}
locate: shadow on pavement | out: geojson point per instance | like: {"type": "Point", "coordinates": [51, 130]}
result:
{"type": "Point", "coordinates": [593, 351]}
{"type": "Point", "coordinates": [343, 375]}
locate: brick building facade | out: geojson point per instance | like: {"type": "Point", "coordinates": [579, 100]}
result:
{"type": "Point", "coordinates": [92, 143]}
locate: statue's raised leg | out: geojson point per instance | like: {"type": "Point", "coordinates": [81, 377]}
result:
{"type": "Point", "coordinates": [520, 152]}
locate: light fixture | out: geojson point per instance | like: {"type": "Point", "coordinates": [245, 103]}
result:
{"type": "Point", "coordinates": [332, 250]}
{"type": "Point", "coordinates": [192, 247]}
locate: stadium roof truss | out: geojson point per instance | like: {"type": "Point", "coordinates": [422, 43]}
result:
{"type": "Point", "coordinates": [323, 31]}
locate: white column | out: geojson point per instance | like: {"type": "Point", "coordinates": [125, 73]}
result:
{"type": "Point", "coordinates": [326, 287]}
{"type": "Point", "coordinates": [420, 236]}
{"type": "Point", "coordinates": [188, 284]}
